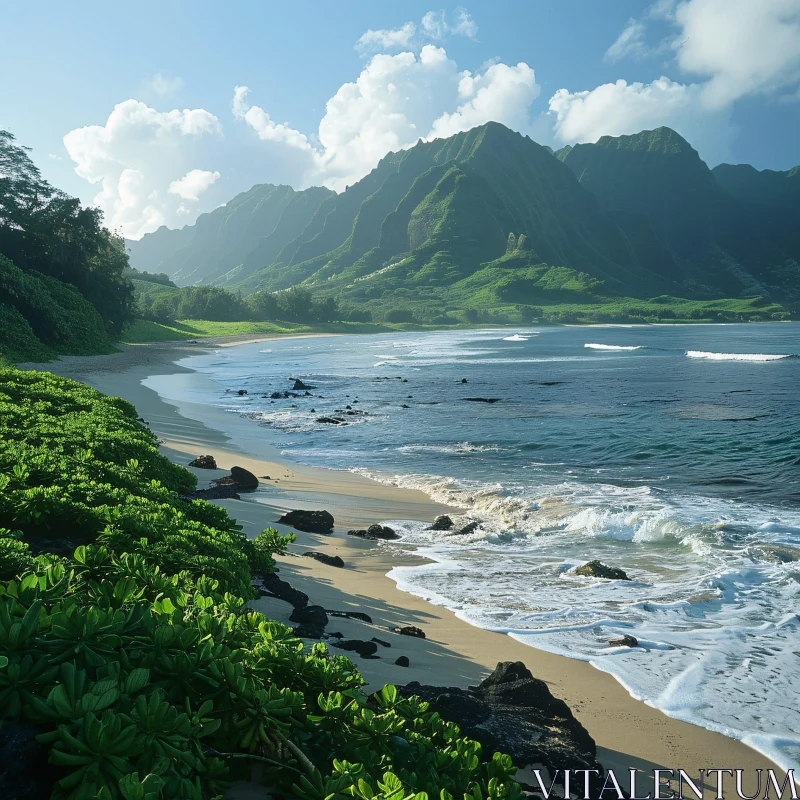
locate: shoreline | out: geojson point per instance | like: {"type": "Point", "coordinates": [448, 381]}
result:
{"type": "Point", "coordinates": [629, 733]}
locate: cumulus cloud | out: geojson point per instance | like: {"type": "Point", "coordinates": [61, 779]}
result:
{"type": "Point", "coordinates": [136, 157]}
{"type": "Point", "coordinates": [502, 93]}
{"type": "Point", "coordinates": [616, 109]}
{"type": "Point", "coordinates": [193, 183]}
{"type": "Point", "coordinates": [434, 27]}
{"type": "Point", "coordinates": [741, 47]}
{"type": "Point", "coordinates": [263, 125]}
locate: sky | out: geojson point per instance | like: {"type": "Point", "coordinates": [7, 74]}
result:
{"type": "Point", "coordinates": [159, 111]}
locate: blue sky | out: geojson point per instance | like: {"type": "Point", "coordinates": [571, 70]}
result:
{"type": "Point", "coordinates": [331, 87]}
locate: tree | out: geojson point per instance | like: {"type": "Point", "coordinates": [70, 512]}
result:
{"type": "Point", "coordinates": [46, 230]}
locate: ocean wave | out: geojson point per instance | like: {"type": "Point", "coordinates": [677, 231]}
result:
{"type": "Point", "coordinates": [516, 338]}
{"type": "Point", "coordinates": [593, 346]}
{"type": "Point", "coordinates": [447, 449]}
{"type": "Point", "coordinates": [735, 356]}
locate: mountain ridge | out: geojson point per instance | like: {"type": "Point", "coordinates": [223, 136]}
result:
{"type": "Point", "coordinates": [641, 214]}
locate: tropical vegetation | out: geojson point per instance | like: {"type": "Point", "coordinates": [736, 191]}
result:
{"type": "Point", "coordinates": [130, 653]}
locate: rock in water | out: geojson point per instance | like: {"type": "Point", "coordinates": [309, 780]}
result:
{"type": "Point", "coordinates": [357, 646]}
{"type": "Point", "coordinates": [513, 712]}
{"type": "Point", "coordinates": [470, 527]}
{"type": "Point", "coordinates": [410, 630]}
{"type": "Point", "coordinates": [375, 532]}
{"type": "Point", "coordinates": [309, 521]}
{"type": "Point", "coordinates": [442, 523]}
{"type": "Point", "coordinates": [244, 478]}
{"type": "Point", "coordinates": [324, 558]}
{"type": "Point", "coordinates": [242, 392]}
{"type": "Point", "coordinates": [596, 569]}
{"type": "Point", "coordinates": [204, 462]}
{"type": "Point", "coordinates": [625, 641]}
{"type": "Point", "coordinates": [300, 386]}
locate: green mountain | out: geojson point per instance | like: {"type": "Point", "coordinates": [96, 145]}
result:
{"type": "Point", "coordinates": [490, 217]}
{"type": "Point", "coordinates": [231, 241]}
{"type": "Point", "coordinates": [767, 187]}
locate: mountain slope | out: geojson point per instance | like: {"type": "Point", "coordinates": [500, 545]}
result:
{"type": "Point", "coordinates": [768, 187]}
{"type": "Point", "coordinates": [719, 242]}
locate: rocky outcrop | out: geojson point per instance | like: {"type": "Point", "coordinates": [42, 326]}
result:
{"type": "Point", "coordinates": [410, 630]}
{"type": "Point", "coordinates": [204, 462]}
{"type": "Point", "coordinates": [359, 646]}
{"type": "Point", "coordinates": [625, 641]}
{"type": "Point", "coordinates": [442, 523]}
{"type": "Point", "coordinates": [272, 586]}
{"type": "Point", "coordinates": [309, 521]}
{"type": "Point", "coordinates": [324, 558]}
{"type": "Point", "coordinates": [375, 532]}
{"type": "Point", "coordinates": [596, 569]}
{"type": "Point", "coordinates": [512, 712]}
{"type": "Point", "coordinates": [359, 615]}
{"type": "Point", "coordinates": [470, 527]}
{"type": "Point", "coordinates": [222, 491]}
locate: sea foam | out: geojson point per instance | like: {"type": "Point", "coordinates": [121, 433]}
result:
{"type": "Point", "coordinates": [734, 356]}
{"type": "Point", "coordinates": [593, 346]}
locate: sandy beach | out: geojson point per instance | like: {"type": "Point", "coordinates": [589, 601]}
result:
{"type": "Point", "coordinates": [629, 734]}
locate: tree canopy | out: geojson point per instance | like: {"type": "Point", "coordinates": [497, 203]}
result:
{"type": "Point", "coordinates": [43, 229]}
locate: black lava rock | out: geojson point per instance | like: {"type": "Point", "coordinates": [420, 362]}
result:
{"type": "Point", "coordinates": [309, 521]}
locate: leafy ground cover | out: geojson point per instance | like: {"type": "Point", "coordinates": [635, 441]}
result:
{"type": "Point", "coordinates": [129, 656]}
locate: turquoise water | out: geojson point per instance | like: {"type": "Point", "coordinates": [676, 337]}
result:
{"type": "Point", "coordinates": [670, 451]}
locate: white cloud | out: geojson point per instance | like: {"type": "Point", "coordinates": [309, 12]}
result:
{"type": "Point", "coordinates": [629, 43]}
{"type": "Point", "coordinates": [136, 156]}
{"type": "Point", "coordinates": [193, 183]}
{"type": "Point", "coordinates": [742, 47]}
{"type": "Point", "coordinates": [616, 109]}
{"type": "Point", "coordinates": [387, 39]}
{"type": "Point", "coordinates": [502, 93]}
{"type": "Point", "coordinates": [434, 27]}
{"type": "Point", "coordinates": [55, 157]}
{"type": "Point", "coordinates": [162, 86]}
{"type": "Point", "coordinates": [262, 124]}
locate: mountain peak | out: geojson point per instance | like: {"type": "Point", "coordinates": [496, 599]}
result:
{"type": "Point", "coordinates": [661, 140]}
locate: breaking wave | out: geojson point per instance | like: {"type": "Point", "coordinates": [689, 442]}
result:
{"type": "Point", "coordinates": [593, 346]}
{"type": "Point", "coordinates": [735, 356]}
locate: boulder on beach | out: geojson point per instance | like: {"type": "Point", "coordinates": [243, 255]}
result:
{"type": "Point", "coordinates": [442, 523]}
{"type": "Point", "coordinates": [512, 712]}
{"type": "Point", "coordinates": [596, 569]}
{"type": "Point", "coordinates": [410, 630]}
{"type": "Point", "coordinates": [221, 491]}
{"type": "Point", "coordinates": [204, 462]}
{"type": "Point", "coordinates": [402, 661]}
{"type": "Point", "coordinates": [359, 615]}
{"type": "Point", "coordinates": [357, 646]}
{"type": "Point", "coordinates": [324, 558]}
{"type": "Point", "coordinates": [244, 478]}
{"type": "Point", "coordinates": [310, 615]}
{"type": "Point", "coordinates": [309, 521]}
{"type": "Point", "coordinates": [273, 586]}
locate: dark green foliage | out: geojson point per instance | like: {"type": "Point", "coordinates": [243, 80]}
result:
{"type": "Point", "coordinates": [41, 316]}
{"type": "Point", "coordinates": [127, 641]}
{"type": "Point", "coordinates": [149, 277]}
{"type": "Point", "coordinates": [46, 231]}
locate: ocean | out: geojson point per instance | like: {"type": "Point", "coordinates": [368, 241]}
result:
{"type": "Point", "coordinates": [672, 452]}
